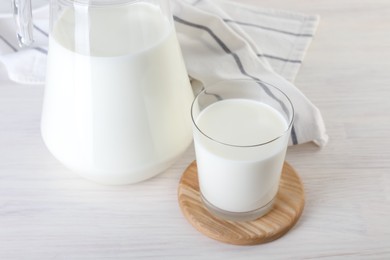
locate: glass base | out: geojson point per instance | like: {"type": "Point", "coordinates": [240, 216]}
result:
{"type": "Point", "coordinates": [238, 216]}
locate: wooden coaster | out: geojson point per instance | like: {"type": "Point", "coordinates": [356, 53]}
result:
{"type": "Point", "coordinates": [287, 209]}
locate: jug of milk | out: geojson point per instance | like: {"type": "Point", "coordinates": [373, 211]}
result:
{"type": "Point", "coordinates": [117, 94]}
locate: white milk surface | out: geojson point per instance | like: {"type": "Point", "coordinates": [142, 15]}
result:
{"type": "Point", "coordinates": [117, 94]}
{"type": "Point", "coordinates": [243, 178]}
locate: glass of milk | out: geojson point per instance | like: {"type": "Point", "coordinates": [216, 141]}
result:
{"type": "Point", "coordinates": [241, 130]}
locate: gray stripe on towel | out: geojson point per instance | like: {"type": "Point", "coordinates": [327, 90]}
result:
{"type": "Point", "coordinates": [41, 30]}
{"type": "Point", "coordinates": [8, 43]}
{"type": "Point", "coordinates": [268, 28]}
{"type": "Point", "coordinates": [40, 50]}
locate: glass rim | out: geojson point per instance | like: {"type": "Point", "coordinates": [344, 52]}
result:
{"type": "Point", "coordinates": [290, 123]}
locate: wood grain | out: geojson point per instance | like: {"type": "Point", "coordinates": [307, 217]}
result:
{"type": "Point", "coordinates": [287, 209]}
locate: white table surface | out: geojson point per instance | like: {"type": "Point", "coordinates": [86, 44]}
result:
{"type": "Point", "coordinates": [48, 212]}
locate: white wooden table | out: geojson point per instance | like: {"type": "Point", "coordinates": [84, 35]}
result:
{"type": "Point", "coordinates": [48, 212]}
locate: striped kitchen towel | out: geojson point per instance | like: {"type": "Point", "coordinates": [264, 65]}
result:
{"type": "Point", "coordinates": [219, 40]}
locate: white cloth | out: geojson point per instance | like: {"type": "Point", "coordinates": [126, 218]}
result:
{"type": "Point", "coordinates": [219, 40]}
{"type": "Point", "coordinates": [25, 66]}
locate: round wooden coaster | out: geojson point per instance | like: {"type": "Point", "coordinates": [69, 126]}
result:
{"type": "Point", "coordinates": [287, 209]}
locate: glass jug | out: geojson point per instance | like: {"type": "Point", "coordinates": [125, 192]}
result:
{"type": "Point", "coordinates": [117, 95]}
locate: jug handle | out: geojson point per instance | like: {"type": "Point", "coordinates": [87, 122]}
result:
{"type": "Point", "coordinates": [23, 18]}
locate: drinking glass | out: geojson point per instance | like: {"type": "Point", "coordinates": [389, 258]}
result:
{"type": "Point", "coordinates": [241, 130]}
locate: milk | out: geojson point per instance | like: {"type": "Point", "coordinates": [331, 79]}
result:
{"type": "Point", "coordinates": [237, 171]}
{"type": "Point", "coordinates": [117, 98]}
